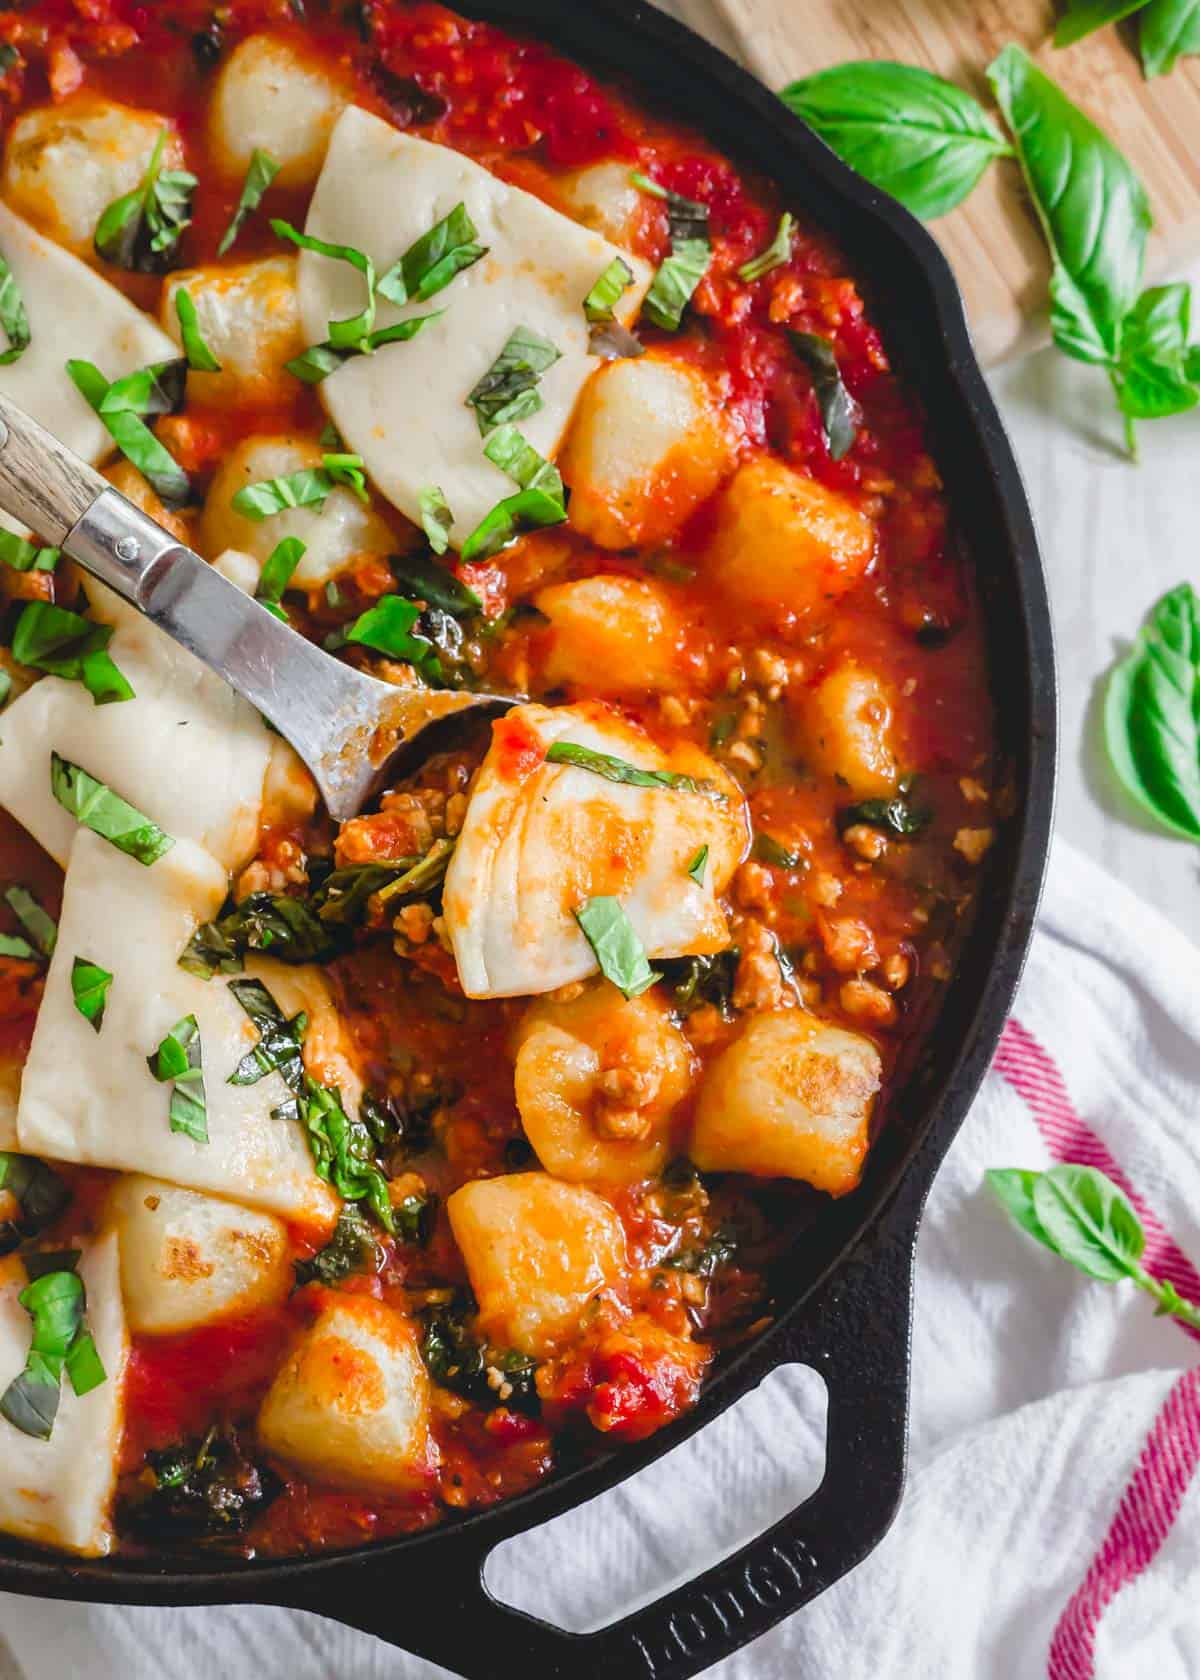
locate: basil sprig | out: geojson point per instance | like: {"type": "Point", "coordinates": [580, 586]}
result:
{"type": "Point", "coordinates": [341, 1149]}
{"type": "Point", "coordinates": [911, 133]}
{"type": "Point", "coordinates": [106, 813]}
{"type": "Point", "coordinates": [508, 392]}
{"type": "Point", "coordinates": [620, 770]}
{"type": "Point", "coordinates": [616, 946]}
{"type": "Point", "coordinates": [773, 256]}
{"type": "Point", "coordinates": [89, 989]}
{"type": "Point", "coordinates": [178, 1061]}
{"type": "Point", "coordinates": [279, 1044]}
{"type": "Point", "coordinates": [37, 922]}
{"type": "Point", "coordinates": [541, 500]}
{"type": "Point", "coordinates": [25, 556]}
{"type": "Point", "coordinates": [40, 1193]}
{"type": "Point", "coordinates": [681, 272]}
{"type": "Point", "coordinates": [601, 302]}
{"type": "Point", "coordinates": [65, 644]}
{"type": "Point", "coordinates": [307, 487]}
{"type": "Point", "coordinates": [121, 417]}
{"type": "Point", "coordinates": [1082, 1216]}
{"type": "Point", "coordinates": [13, 317]}
{"type": "Point", "coordinates": [841, 416]}
{"type": "Point", "coordinates": [421, 579]}
{"type": "Point", "coordinates": [260, 172]}
{"type": "Point", "coordinates": [57, 1304]}
{"type": "Point", "coordinates": [432, 261]}
{"type": "Point", "coordinates": [199, 356]}
{"type": "Point", "coordinates": [141, 229]}
{"type": "Point", "coordinates": [277, 574]}
{"type": "Point", "coordinates": [388, 627]}
{"type": "Point", "coordinates": [1152, 715]}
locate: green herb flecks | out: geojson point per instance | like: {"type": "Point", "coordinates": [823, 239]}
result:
{"type": "Point", "coordinates": [129, 431]}
{"type": "Point", "coordinates": [199, 357]}
{"type": "Point", "coordinates": [89, 990]}
{"type": "Point", "coordinates": [277, 574]}
{"type": "Point", "coordinates": [841, 416]}
{"type": "Point", "coordinates": [13, 317]}
{"type": "Point", "coordinates": [432, 261]}
{"type": "Point", "coordinates": [260, 172]}
{"type": "Point", "coordinates": [97, 807]}
{"type": "Point", "coordinates": [601, 302]}
{"type": "Point", "coordinates": [614, 941]}
{"type": "Point", "coordinates": [280, 1040]}
{"type": "Point", "coordinates": [57, 1303]}
{"type": "Point", "coordinates": [508, 392]}
{"type": "Point", "coordinates": [67, 645]}
{"type": "Point", "coordinates": [775, 255]}
{"type": "Point", "coordinates": [1152, 715]}
{"type": "Point", "coordinates": [141, 229]}
{"type": "Point", "coordinates": [38, 923]}
{"type": "Point", "coordinates": [682, 270]}
{"type": "Point", "coordinates": [620, 770]}
{"type": "Point", "coordinates": [178, 1062]}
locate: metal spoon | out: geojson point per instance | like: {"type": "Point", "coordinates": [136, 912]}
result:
{"type": "Point", "coordinates": [351, 730]}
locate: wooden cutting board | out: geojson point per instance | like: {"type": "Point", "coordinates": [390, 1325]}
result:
{"type": "Point", "coordinates": [991, 240]}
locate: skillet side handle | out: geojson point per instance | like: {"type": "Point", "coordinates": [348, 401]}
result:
{"type": "Point", "coordinates": [855, 1333]}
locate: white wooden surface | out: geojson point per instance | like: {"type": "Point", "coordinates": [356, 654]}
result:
{"type": "Point", "coordinates": [1114, 537]}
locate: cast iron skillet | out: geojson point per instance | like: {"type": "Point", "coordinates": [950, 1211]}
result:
{"type": "Point", "coordinates": [845, 1308]}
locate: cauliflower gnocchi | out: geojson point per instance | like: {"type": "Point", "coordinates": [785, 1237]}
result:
{"type": "Point", "coordinates": [613, 635]}
{"type": "Point", "coordinates": [271, 97]}
{"type": "Point", "coordinates": [249, 318]}
{"type": "Point", "coordinates": [847, 730]}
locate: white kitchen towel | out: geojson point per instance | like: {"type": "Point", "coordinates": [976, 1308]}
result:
{"type": "Point", "coordinates": [1051, 1526]}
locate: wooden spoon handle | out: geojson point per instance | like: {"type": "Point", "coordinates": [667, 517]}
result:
{"type": "Point", "coordinates": [42, 483]}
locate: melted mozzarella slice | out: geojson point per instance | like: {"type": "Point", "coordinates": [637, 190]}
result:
{"type": "Point", "coordinates": [90, 1097]}
{"type": "Point", "coordinates": [404, 409]}
{"type": "Point", "coordinates": [72, 311]}
{"type": "Point", "coordinates": [186, 750]}
{"type": "Point", "coordinates": [59, 1492]}
{"type": "Point", "coordinates": [538, 839]}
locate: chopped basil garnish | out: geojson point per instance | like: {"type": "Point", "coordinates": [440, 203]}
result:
{"type": "Point", "coordinates": [40, 1192]}
{"type": "Point", "coordinates": [431, 262]}
{"type": "Point", "coordinates": [89, 987]}
{"type": "Point", "coordinates": [341, 1149]}
{"type": "Point", "coordinates": [177, 1061]}
{"type": "Point", "coordinates": [158, 388]}
{"type": "Point", "coordinates": [436, 518]}
{"type": "Point", "coordinates": [840, 414]}
{"type": "Point", "coordinates": [56, 1302]}
{"type": "Point", "coordinates": [38, 924]}
{"type": "Point", "coordinates": [608, 291]}
{"type": "Point", "coordinates": [286, 927]}
{"type": "Point", "coordinates": [426, 874]}
{"type": "Point", "coordinates": [776, 253]}
{"type": "Point", "coordinates": [13, 317]}
{"type": "Point", "coordinates": [352, 1248]}
{"type": "Point", "coordinates": [25, 556]}
{"type": "Point", "coordinates": [420, 579]}
{"type": "Point", "coordinates": [309, 487]}
{"type": "Point", "coordinates": [280, 1039]}
{"type": "Point", "coordinates": [388, 627]}
{"type": "Point", "coordinates": [320, 360]}
{"type": "Point", "coordinates": [691, 252]}
{"type": "Point", "coordinates": [260, 172]}
{"type": "Point", "coordinates": [901, 816]}
{"type": "Point", "coordinates": [618, 950]}
{"type": "Point", "coordinates": [12, 945]}
{"type": "Point", "coordinates": [769, 850]}
{"type": "Point", "coordinates": [341, 899]}
{"type": "Point", "coordinates": [130, 433]}
{"type": "Point", "coordinates": [106, 813]}
{"type": "Point", "coordinates": [541, 500]}
{"type": "Point", "coordinates": [620, 770]}
{"type": "Point", "coordinates": [508, 390]}
{"type": "Point", "coordinates": [199, 356]}
{"type": "Point", "coordinates": [141, 229]}
{"type": "Point", "coordinates": [277, 574]}
{"type": "Point", "coordinates": [514, 455]}
{"type": "Point", "coordinates": [67, 645]}
{"type": "Point", "coordinates": [698, 865]}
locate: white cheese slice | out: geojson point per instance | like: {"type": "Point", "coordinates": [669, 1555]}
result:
{"type": "Point", "coordinates": [538, 839]}
{"type": "Point", "coordinates": [73, 312]}
{"type": "Point", "coordinates": [186, 750]}
{"type": "Point", "coordinates": [90, 1097]}
{"type": "Point", "coordinates": [59, 1492]}
{"type": "Point", "coordinates": [404, 409]}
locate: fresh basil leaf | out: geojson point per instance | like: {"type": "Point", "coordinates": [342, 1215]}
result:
{"type": "Point", "coordinates": [38, 924]}
{"type": "Point", "coordinates": [288, 928]}
{"type": "Point", "coordinates": [673, 286]}
{"type": "Point", "coordinates": [277, 574]}
{"type": "Point", "coordinates": [433, 260]}
{"type": "Point", "coordinates": [600, 303]}
{"type": "Point", "coordinates": [1151, 378]}
{"type": "Point", "coordinates": [508, 392]}
{"type": "Point", "coordinates": [421, 579]}
{"type": "Point", "coordinates": [133, 437]}
{"type": "Point", "coordinates": [1168, 30]}
{"type": "Point", "coordinates": [13, 317]}
{"type": "Point", "coordinates": [260, 172]}
{"type": "Point", "coordinates": [436, 518]}
{"type": "Point", "coordinates": [901, 815]}
{"type": "Point", "coordinates": [67, 645]}
{"type": "Point", "coordinates": [178, 1061]}
{"type": "Point", "coordinates": [913, 135]}
{"type": "Point", "coordinates": [1152, 714]}
{"type": "Point", "coordinates": [141, 229]}
{"type": "Point", "coordinates": [106, 813]}
{"type": "Point", "coordinates": [541, 500]}
{"type": "Point", "coordinates": [1093, 209]}
{"type": "Point", "coordinates": [1084, 17]}
{"type": "Point", "coordinates": [158, 388]}
{"type": "Point", "coordinates": [514, 455]}
{"type": "Point", "coordinates": [347, 470]}
{"type": "Point", "coordinates": [308, 487]}
{"type": "Point", "coordinates": [620, 770]}
{"type": "Point", "coordinates": [387, 626]}
{"type": "Point", "coordinates": [352, 1248]}
{"type": "Point", "coordinates": [12, 945]}
{"type": "Point", "coordinates": [25, 556]}
{"type": "Point", "coordinates": [40, 1193]}
{"type": "Point", "coordinates": [279, 1046]}
{"type": "Point", "coordinates": [685, 218]}
{"type": "Point", "coordinates": [199, 356]}
{"type": "Point", "coordinates": [840, 414]}
{"type": "Point", "coordinates": [775, 255]}
{"type": "Point", "coordinates": [615, 944]}
{"type": "Point", "coordinates": [89, 988]}
{"type": "Point", "coordinates": [56, 1302]}
{"type": "Point", "coordinates": [698, 865]}
{"type": "Point", "coordinates": [350, 333]}
{"type": "Point", "coordinates": [342, 1153]}
{"type": "Point", "coordinates": [1013, 1189]}
{"type": "Point", "coordinates": [84, 1365]}
{"type": "Point", "coordinates": [320, 360]}
{"type": "Point", "coordinates": [1088, 1221]}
